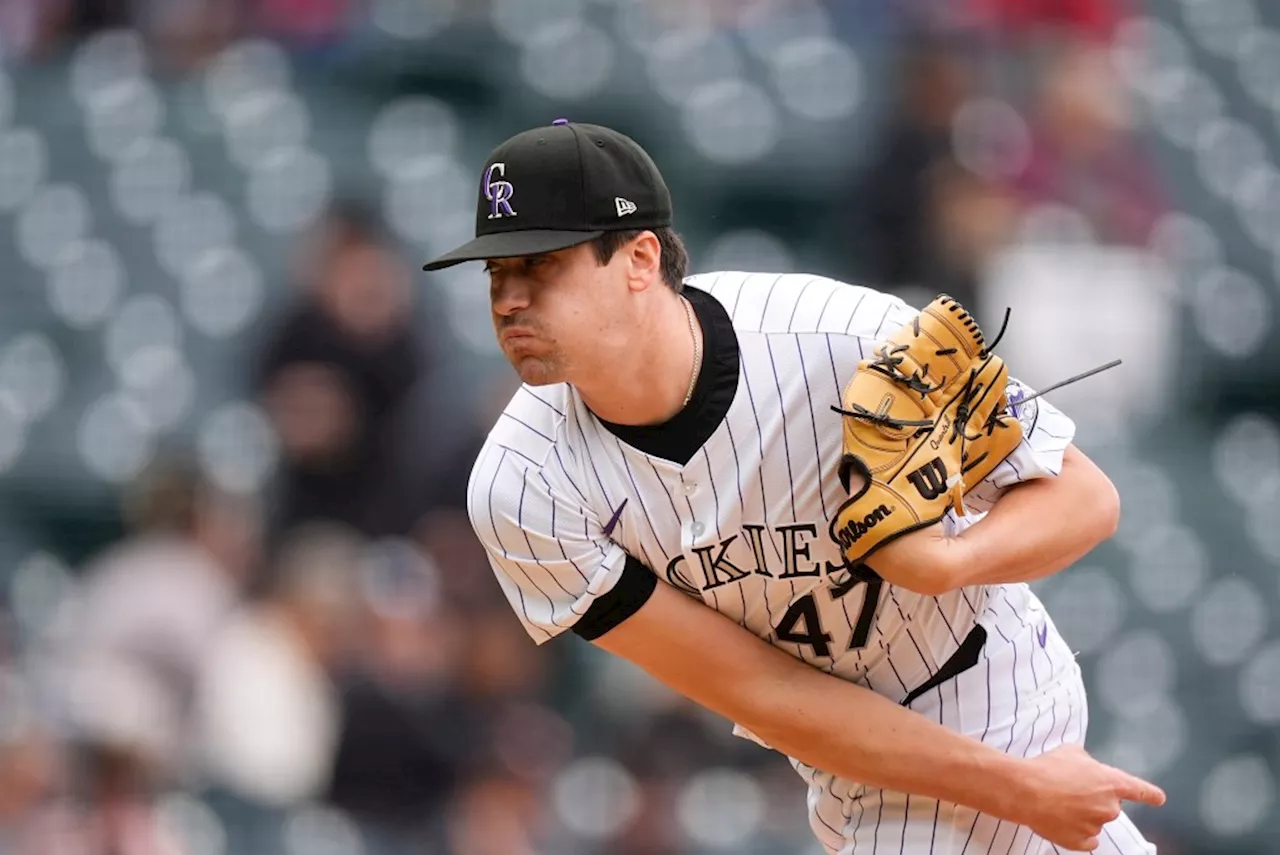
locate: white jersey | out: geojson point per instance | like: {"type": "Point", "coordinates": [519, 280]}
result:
{"type": "Point", "coordinates": [560, 501]}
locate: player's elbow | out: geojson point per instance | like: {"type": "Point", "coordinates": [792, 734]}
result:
{"type": "Point", "coordinates": [1099, 506]}
{"type": "Point", "coordinates": [1107, 509]}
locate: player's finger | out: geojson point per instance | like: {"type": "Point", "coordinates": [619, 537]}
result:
{"type": "Point", "coordinates": [1133, 789]}
{"type": "Point", "coordinates": [1089, 845]}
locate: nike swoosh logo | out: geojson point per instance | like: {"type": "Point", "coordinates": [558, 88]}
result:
{"type": "Point", "coordinates": [613, 520]}
{"type": "Point", "coordinates": [1043, 634]}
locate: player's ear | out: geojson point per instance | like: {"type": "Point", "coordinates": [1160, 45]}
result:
{"type": "Point", "coordinates": [644, 261]}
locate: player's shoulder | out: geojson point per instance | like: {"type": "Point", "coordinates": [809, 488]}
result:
{"type": "Point", "coordinates": [519, 446]}
{"type": "Point", "coordinates": [527, 430]}
{"type": "Point", "coordinates": [801, 303]}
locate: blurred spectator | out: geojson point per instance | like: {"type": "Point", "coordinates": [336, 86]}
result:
{"type": "Point", "coordinates": [268, 709]}
{"type": "Point", "coordinates": [972, 217]}
{"type": "Point", "coordinates": [1084, 154]}
{"type": "Point", "coordinates": [407, 732]}
{"type": "Point", "coordinates": [135, 634]}
{"type": "Point", "coordinates": [95, 795]}
{"type": "Point", "coordinates": [900, 227]}
{"type": "Point", "coordinates": [334, 373]}
{"type": "Point", "coordinates": [121, 818]}
{"type": "Point", "coordinates": [496, 814]}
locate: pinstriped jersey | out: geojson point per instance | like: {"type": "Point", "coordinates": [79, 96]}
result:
{"type": "Point", "coordinates": [559, 501]}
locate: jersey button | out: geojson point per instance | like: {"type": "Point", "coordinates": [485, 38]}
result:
{"type": "Point", "coordinates": [697, 528]}
{"type": "Point", "coordinates": [690, 488]}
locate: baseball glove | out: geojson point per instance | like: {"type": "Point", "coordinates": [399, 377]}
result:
{"type": "Point", "coordinates": [925, 419]}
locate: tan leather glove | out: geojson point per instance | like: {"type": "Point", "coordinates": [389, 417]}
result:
{"type": "Point", "coordinates": [925, 419]}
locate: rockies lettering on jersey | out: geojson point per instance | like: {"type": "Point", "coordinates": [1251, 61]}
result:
{"type": "Point", "coordinates": [744, 525]}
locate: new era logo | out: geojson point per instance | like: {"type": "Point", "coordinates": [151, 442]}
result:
{"type": "Point", "coordinates": [625, 206]}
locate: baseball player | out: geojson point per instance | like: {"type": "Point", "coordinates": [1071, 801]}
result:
{"type": "Point", "coordinates": [665, 484]}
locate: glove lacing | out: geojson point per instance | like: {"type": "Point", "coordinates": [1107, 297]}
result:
{"type": "Point", "coordinates": [888, 363]}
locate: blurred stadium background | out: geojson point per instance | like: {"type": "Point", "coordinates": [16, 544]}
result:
{"type": "Point", "coordinates": [242, 611]}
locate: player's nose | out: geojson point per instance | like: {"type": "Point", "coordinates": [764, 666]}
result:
{"type": "Point", "coordinates": [509, 295]}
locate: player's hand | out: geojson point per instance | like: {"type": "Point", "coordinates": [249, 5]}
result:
{"type": "Point", "coordinates": [925, 561]}
{"type": "Point", "coordinates": [1072, 796]}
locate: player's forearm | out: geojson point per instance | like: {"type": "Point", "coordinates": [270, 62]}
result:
{"type": "Point", "coordinates": [807, 714]}
{"type": "Point", "coordinates": [1039, 528]}
{"type": "Point", "coordinates": [861, 736]}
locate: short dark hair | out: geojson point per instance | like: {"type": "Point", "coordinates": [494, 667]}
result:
{"type": "Point", "coordinates": [674, 257]}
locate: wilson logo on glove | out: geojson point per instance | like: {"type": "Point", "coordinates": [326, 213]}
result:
{"type": "Point", "coordinates": [930, 480]}
{"type": "Point", "coordinates": [855, 529]}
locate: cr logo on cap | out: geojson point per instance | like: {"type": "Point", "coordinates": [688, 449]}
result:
{"type": "Point", "coordinates": [498, 192]}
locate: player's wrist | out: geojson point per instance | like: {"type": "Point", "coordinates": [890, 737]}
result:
{"type": "Point", "coordinates": [1014, 794]}
{"type": "Point", "coordinates": [926, 561]}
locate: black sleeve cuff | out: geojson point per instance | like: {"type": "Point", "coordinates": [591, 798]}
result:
{"type": "Point", "coordinates": [633, 589]}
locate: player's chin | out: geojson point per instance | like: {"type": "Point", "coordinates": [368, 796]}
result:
{"type": "Point", "coordinates": [534, 370]}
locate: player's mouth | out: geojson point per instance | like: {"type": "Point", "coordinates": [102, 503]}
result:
{"type": "Point", "coordinates": [515, 333]}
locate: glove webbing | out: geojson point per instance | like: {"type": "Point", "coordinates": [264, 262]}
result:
{"type": "Point", "coordinates": [887, 363]}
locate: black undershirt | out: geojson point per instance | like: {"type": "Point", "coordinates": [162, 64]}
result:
{"type": "Point", "coordinates": [677, 440]}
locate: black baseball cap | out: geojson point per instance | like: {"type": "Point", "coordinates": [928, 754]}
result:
{"type": "Point", "coordinates": [558, 186]}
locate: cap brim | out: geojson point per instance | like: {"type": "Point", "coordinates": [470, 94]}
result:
{"type": "Point", "coordinates": [511, 244]}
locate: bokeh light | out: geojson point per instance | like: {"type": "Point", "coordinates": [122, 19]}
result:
{"type": "Point", "coordinates": [1229, 620]}
{"type": "Point", "coordinates": [237, 447]}
{"type": "Point", "coordinates": [1169, 567]}
{"type": "Point", "coordinates": [32, 374]}
{"type": "Point", "coordinates": [105, 59]}
{"type": "Point", "coordinates": [1231, 312]}
{"type": "Point", "coordinates": [192, 822]}
{"type": "Point", "coordinates": [144, 320]}
{"type": "Point", "coordinates": [115, 439]}
{"type": "Point", "coordinates": [411, 19]}
{"type": "Point", "coordinates": [595, 797]}
{"type": "Point", "coordinates": [122, 114]}
{"type": "Point", "coordinates": [1148, 743]}
{"type": "Point", "coordinates": [1136, 674]}
{"type": "Point", "coordinates": [318, 830]}
{"type": "Point", "coordinates": [731, 122]}
{"type": "Point", "coordinates": [818, 78]}
{"type": "Point", "coordinates": [289, 189]}
{"type": "Point", "coordinates": [38, 587]}
{"type": "Point", "coordinates": [85, 283]}
{"type": "Point", "coordinates": [56, 216]}
{"type": "Point", "coordinates": [263, 123]}
{"type": "Point", "coordinates": [1237, 795]}
{"type": "Point", "coordinates": [13, 431]}
{"type": "Point", "coordinates": [720, 808]}
{"type": "Point", "coordinates": [568, 59]}
{"type": "Point", "coordinates": [190, 227]}
{"type": "Point", "coordinates": [246, 69]}
{"type": "Point", "coordinates": [149, 177]}
{"type": "Point", "coordinates": [222, 292]}
{"type": "Point", "coordinates": [680, 61]}
{"type": "Point", "coordinates": [519, 22]}
{"type": "Point", "coordinates": [1260, 685]}
{"type": "Point", "coordinates": [1246, 459]}
{"type": "Point", "coordinates": [410, 130]}
{"type": "Point", "coordinates": [159, 380]}
{"type": "Point", "coordinates": [1088, 606]}
{"type": "Point", "coordinates": [23, 163]}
